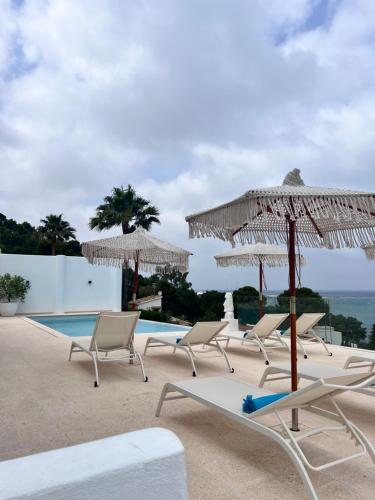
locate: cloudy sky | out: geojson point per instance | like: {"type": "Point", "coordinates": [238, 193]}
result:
{"type": "Point", "coordinates": [193, 102]}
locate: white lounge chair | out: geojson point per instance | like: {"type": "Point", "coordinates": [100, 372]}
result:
{"type": "Point", "coordinates": [225, 396]}
{"type": "Point", "coordinates": [305, 325]}
{"type": "Point", "coordinates": [202, 334]}
{"type": "Point", "coordinates": [359, 361]}
{"type": "Point", "coordinates": [113, 332]}
{"type": "Point", "coordinates": [261, 335]}
{"type": "Point", "coordinates": [309, 371]}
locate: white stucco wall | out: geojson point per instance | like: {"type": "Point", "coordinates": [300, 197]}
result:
{"type": "Point", "coordinates": [60, 284]}
{"type": "Point", "coordinates": [144, 465]}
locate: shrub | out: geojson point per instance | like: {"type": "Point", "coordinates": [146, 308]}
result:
{"type": "Point", "coordinates": [155, 316]}
{"type": "Point", "coordinates": [13, 288]}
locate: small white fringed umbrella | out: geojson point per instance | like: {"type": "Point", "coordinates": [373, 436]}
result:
{"type": "Point", "coordinates": [139, 248]}
{"type": "Point", "coordinates": [370, 251]}
{"type": "Point", "coordinates": [259, 255]}
{"type": "Point", "coordinates": [317, 216]}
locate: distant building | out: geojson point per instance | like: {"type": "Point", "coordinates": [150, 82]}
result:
{"type": "Point", "coordinates": [150, 303]}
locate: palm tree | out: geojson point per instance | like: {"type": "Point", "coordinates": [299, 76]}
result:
{"type": "Point", "coordinates": [125, 208]}
{"type": "Point", "coordinates": [54, 229]}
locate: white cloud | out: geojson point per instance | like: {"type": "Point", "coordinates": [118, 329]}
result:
{"type": "Point", "coordinates": [192, 102]}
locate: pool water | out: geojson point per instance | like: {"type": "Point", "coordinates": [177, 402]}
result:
{"type": "Point", "coordinates": [83, 325]}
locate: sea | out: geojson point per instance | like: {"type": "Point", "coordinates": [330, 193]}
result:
{"type": "Point", "coordinates": [359, 304]}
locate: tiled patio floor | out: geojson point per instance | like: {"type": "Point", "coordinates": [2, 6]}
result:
{"type": "Point", "coordinates": [47, 402]}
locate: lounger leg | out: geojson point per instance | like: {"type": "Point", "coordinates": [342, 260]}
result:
{"type": "Point", "coordinates": [71, 351]}
{"type": "Point", "coordinates": [319, 339]}
{"type": "Point", "coordinates": [226, 345]}
{"type": "Point", "coordinates": [146, 346]}
{"type": "Point", "coordinates": [370, 449]}
{"type": "Point", "coordinates": [298, 463]}
{"type": "Point", "coordinates": [97, 382]}
{"type": "Point", "coordinates": [268, 371]}
{"type": "Point", "coordinates": [188, 352]}
{"type": "Point", "coordinates": [164, 392]}
{"type": "Point", "coordinates": [231, 370]}
{"type": "Point", "coordinates": [283, 343]}
{"type": "Point", "coordinates": [262, 349]}
{"type": "Point", "coordinates": [138, 356]}
{"type": "Point", "coordinates": [302, 347]}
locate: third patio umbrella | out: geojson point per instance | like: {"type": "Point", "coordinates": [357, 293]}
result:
{"type": "Point", "coordinates": [292, 213]}
{"type": "Point", "coordinates": [140, 248]}
{"type": "Point", "coordinates": [260, 255]}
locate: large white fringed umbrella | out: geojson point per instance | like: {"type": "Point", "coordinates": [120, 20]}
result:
{"type": "Point", "coordinates": [258, 255]}
{"type": "Point", "coordinates": [370, 251]}
{"type": "Point", "coordinates": [316, 216]}
{"type": "Point", "coordinates": [139, 248]}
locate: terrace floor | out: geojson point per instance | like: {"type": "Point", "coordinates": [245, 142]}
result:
{"type": "Point", "coordinates": [47, 402]}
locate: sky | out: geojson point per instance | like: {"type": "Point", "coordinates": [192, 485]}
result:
{"type": "Point", "coordinates": [191, 102]}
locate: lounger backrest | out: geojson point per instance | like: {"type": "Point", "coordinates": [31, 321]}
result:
{"type": "Point", "coordinates": [268, 324]}
{"type": "Point", "coordinates": [203, 332]}
{"type": "Point", "coordinates": [114, 330]}
{"type": "Point", "coordinates": [306, 322]}
{"type": "Point", "coordinates": [317, 390]}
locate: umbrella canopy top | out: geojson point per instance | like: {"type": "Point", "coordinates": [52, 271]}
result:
{"type": "Point", "coordinates": [370, 251]}
{"type": "Point", "coordinates": [253, 255]}
{"type": "Point", "coordinates": [324, 216]}
{"type": "Point", "coordinates": [151, 252]}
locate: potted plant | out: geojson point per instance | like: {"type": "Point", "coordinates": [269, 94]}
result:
{"type": "Point", "coordinates": [13, 290]}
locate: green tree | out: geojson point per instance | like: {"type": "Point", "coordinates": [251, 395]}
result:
{"type": "Point", "coordinates": [211, 305]}
{"type": "Point", "coordinates": [125, 208]}
{"type": "Point", "coordinates": [353, 332]}
{"type": "Point", "coordinates": [54, 228]}
{"type": "Point", "coordinates": [371, 339]}
{"type": "Point", "coordinates": [307, 301]}
{"type": "Point", "coordinates": [246, 304]}
{"type": "Point", "coordinates": [23, 238]}
{"type": "Point", "coordinates": [179, 299]}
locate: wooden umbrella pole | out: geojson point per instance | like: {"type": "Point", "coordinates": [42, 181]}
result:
{"type": "Point", "coordinates": [135, 283]}
{"type": "Point", "coordinates": [260, 289]}
{"type": "Point", "coordinates": [293, 315]}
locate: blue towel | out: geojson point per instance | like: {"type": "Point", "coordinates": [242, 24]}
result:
{"type": "Point", "coordinates": [249, 404]}
{"type": "Point", "coordinates": [178, 340]}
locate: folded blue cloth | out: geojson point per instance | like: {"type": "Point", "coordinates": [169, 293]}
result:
{"type": "Point", "coordinates": [249, 404]}
{"type": "Point", "coordinates": [178, 340]}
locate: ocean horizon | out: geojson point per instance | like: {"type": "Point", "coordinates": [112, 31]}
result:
{"type": "Point", "coordinates": [359, 304]}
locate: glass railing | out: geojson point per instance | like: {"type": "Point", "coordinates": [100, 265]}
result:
{"type": "Point", "coordinates": [345, 322]}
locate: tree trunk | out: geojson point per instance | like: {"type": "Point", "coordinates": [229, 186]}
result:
{"type": "Point", "coordinates": [125, 275]}
{"type": "Point", "coordinates": [53, 245]}
{"type": "Point", "coordinates": [125, 287]}
{"type": "Point", "coordinates": [135, 284]}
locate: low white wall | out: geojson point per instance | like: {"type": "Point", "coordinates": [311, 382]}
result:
{"type": "Point", "coordinates": [61, 284]}
{"type": "Point", "coordinates": [142, 465]}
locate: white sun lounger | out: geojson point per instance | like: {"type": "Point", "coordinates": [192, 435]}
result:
{"type": "Point", "coordinates": [114, 332]}
{"type": "Point", "coordinates": [309, 371]}
{"type": "Point", "coordinates": [202, 334]}
{"type": "Point", "coordinates": [225, 396]}
{"type": "Point", "coordinates": [305, 325]}
{"type": "Point", "coordinates": [359, 361]}
{"type": "Point", "coordinates": [261, 335]}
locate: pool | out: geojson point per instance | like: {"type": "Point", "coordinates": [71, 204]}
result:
{"type": "Point", "coordinates": [83, 325]}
